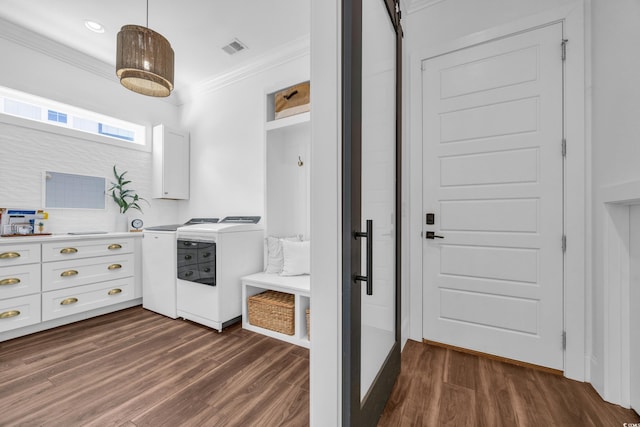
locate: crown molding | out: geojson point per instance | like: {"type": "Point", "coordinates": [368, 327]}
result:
{"type": "Point", "coordinates": [31, 40]}
{"type": "Point", "coordinates": [412, 6]}
{"type": "Point", "coordinates": [293, 50]}
{"type": "Point", "coordinates": [36, 42]}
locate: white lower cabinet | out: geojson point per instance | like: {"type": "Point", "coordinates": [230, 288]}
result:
{"type": "Point", "coordinates": [53, 278]}
{"type": "Point", "coordinates": [19, 312]}
{"type": "Point", "coordinates": [19, 286]}
{"type": "Point", "coordinates": [19, 280]}
{"type": "Point", "coordinates": [66, 274]}
{"type": "Point", "coordinates": [64, 302]}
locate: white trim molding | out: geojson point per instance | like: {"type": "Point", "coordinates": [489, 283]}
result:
{"type": "Point", "coordinates": [281, 55]}
{"type": "Point", "coordinates": [412, 6]}
{"type": "Point", "coordinates": [39, 43]}
{"type": "Point", "coordinates": [619, 258]}
{"type": "Point", "coordinates": [573, 19]}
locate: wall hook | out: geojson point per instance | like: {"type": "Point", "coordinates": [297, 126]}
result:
{"type": "Point", "coordinates": [300, 162]}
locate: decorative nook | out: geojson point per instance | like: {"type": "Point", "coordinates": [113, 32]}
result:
{"type": "Point", "coordinates": [287, 247]}
{"type": "Point", "coordinates": [273, 310]}
{"type": "Point", "coordinates": [144, 60]}
{"type": "Point", "coordinates": [299, 290]}
{"type": "Point", "coordinates": [292, 100]}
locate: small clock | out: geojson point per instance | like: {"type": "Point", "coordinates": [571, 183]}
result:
{"type": "Point", "coordinates": [137, 224]}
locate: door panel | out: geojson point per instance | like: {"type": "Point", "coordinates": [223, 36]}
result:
{"type": "Point", "coordinates": [493, 177]}
{"type": "Point", "coordinates": [378, 187]}
{"type": "Point", "coordinates": [371, 318]}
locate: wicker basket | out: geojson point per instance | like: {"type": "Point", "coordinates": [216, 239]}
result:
{"type": "Point", "coordinates": [274, 311]}
{"type": "Point", "coordinates": [308, 325]}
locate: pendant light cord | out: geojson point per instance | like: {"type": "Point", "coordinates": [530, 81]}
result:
{"type": "Point", "coordinates": [147, 13]}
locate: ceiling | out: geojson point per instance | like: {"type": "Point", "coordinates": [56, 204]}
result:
{"type": "Point", "coordinates": [196, 29]}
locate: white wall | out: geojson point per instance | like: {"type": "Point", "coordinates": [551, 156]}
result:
{"type": "Point", "coordinates": [227, 142]}
{"type": "Point", "coordinates": [25, 153]}
{"type": "Point", "coordinates": [616, 149]}
{"type": "Point", "coordinates": [326, 216]}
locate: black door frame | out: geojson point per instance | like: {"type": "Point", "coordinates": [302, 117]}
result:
{"type": "Point", "coordinates": [367, 412]}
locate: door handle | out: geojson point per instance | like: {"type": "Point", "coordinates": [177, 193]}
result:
{"type": "Point", "coordinates": [432, 235]}
{"type": "Point", "coordinates": [369, 236]}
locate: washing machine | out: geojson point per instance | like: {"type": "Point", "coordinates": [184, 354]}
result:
{"type": "Point", "coordinates": [211, 259]}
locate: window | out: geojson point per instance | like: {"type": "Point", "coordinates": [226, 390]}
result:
{"type": "Point", "coordinates": [55, 116]}
{"type": "Point", "coordinates": [30, 107]}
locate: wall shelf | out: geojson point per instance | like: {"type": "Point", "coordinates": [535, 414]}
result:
{"type": "Point", "coordinates": [299, 286]}
{"type": "Point", "coordinates": [288, 121]}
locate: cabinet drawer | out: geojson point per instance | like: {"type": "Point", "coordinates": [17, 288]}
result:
{"type": "Point", "coordinates": [65, 274]}
{"type": "Point", "coordinates": [61, 251]}
{"type": "Point", "coordinates": [19, 254]}
{"type": "Point", "coordinates": [65, 302]}
{"type": "Point", "coordinates": [19, 280]}
{"type": "Point", "coordinates": [19, 312]}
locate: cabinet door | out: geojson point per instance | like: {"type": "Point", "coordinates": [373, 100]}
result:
{"type": "Point", "coordinates": [19, 254]}
{"type": "Point", "coordinates": [171, 163]}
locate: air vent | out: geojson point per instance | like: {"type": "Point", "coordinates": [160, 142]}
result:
{"type": "Point", "coordinates": [234, 47]}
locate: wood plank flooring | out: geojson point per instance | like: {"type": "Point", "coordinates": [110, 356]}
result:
{"type": "Point", "coordinates": [137, 368]}
{"type": "Point", "coordinates": [443, 387]}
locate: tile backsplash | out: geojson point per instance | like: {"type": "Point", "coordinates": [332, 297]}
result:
{"type": "Point", "coordinates": [25, 154]}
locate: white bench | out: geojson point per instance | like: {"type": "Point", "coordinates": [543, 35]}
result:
{"type": "Point", "coordinates": [299, 286]}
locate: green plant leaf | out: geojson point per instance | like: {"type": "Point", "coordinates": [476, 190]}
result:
{"type": "Point", "coordinates": [125, 198]}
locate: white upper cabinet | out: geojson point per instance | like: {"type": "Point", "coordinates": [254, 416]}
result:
{"type": "Point", "coordinates": [170, 163]}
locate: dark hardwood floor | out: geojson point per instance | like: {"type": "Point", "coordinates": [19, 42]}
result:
{"type": "Point", "coordinates": [137, 368]}
{"type": "Point", "coordinates": [443, 387]}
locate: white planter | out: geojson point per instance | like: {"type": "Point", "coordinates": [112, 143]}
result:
{"type": "Point", "coordinates": [122, 223]}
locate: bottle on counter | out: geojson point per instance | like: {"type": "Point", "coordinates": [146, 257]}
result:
{"type": "Point", "coordinates": [40, 222]}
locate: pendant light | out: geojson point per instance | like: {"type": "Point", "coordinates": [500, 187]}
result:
{"type": "Point", "coordinates": [144, 60]}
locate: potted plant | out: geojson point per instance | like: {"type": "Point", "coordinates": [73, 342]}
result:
{"type": "Point", "coordinates": [125, 198]}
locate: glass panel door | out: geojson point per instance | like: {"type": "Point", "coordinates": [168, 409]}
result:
{"type": "Point", "coordinates": [378, 188]}
{"type": "Point", "coordinates": [371, 188]}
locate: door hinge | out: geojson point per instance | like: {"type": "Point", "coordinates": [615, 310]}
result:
{"type": "Point", "coordinates": [564, 147]}
{"type": "Point", "coordinates": [564, 49]}
{"type": "Point", "coordinates": [564, 243]}
{"type": "Point", "coordinates": [564, 340]}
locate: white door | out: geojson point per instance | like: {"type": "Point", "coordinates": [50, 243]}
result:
{"type": "Point", "coordinates": [493, 178]}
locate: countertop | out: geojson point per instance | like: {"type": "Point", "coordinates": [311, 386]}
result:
{"type": "Point", "coordinates": [57, 237]}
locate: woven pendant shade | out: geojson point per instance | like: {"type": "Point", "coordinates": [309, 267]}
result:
{"type": "Point", "coordinates": [144, 61]}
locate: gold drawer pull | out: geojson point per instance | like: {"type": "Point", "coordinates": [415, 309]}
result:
{"type": "Point", "coordinates": [68, 251]}
{"type": "Point", "coordinates": [114, 266]}
{"type": "Point", "coordinates": [10, 313]}
{"type": "Point", "coordinates": [9, 281]}
{"type": "Point", "coordinates": [68, 301]}
{"type": "Point", "coordinates": [69, 273]}
{"type": "Point", "coordinates": [114, 246]}
{"type": "Point", "coordinates": [114, 291]}
{"type": "Point", "coordinates": [9, 255]}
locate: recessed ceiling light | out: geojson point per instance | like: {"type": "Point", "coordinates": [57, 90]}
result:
{"type": "Point", "coordinates": [94, 26]}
